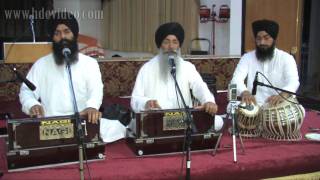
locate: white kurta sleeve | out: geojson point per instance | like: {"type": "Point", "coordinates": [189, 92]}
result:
{"type": "Point", "coordinates": [291, 75]}
{"type": "Point", "coordinates": [199, 88]}
{"type": "Point", "coordinates": [240, 75]}
{"type": "Point", "coordinates": [95, 87]}
{"type": "Point", "coordinates": [29, 98]}
{"type": "Point", "coordinates": [138, 98]}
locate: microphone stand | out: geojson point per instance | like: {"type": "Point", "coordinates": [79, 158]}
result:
{"type": "Point", "coordinates": [235, 132]}
{"type": "Point", "coordinates": [32, 29]}
{"type": "Point", "coordinates": [11, 80]}
{"type": "Point", "coordinates": [189, 128]}
{"type": "Point", "coordinates": [8, 81]}
{"type": "Point", "coordinates": [20, 77]}
{"type": "Point", "coordinates": [80, 134]}
{"type": "Point", "coordinates": [299, 96]}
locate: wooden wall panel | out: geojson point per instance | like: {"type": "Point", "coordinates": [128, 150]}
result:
{"type": "Point", "coordinates": [286, 12]}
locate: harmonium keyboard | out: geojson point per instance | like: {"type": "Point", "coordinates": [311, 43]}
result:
{"type": "Point", "coordinates": [163, 131]}
{"type": "Point", "coordinates": [42, 142]}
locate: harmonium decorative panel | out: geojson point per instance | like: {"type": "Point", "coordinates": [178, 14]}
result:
{"type": "Point", "coordinates": [37, 142]}
{"type": "Point", "coordinates": [163, 131]}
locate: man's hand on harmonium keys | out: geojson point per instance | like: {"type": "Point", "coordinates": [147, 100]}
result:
{"type": "Point", "coordinates": [91, 114]}
{"type": "Point", "coordinates": [152, 105]}
{"type": "Point", "coordinates": [208, 107]}
{"type": "Point", "coordinates": [37, 111]}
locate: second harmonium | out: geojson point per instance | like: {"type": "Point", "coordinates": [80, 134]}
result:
{"type": "Point", "coordinates": [163, 131]}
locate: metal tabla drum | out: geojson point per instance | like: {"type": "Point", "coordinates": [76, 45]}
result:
{"type": "Point", "coordinates": [283, 121]}
{"type": "Point", "coordinates": [248, 120]}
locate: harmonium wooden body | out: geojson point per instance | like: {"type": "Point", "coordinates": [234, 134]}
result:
{"type": "Point", "coordinates": [41, 142]}
{"type": "Point", "coordinates": [163, 132]}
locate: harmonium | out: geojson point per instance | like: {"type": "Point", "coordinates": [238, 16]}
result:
{"type": "Point", "coordinates": [44, 142]}
{"type": "Point", "coordinates": [163, 131]}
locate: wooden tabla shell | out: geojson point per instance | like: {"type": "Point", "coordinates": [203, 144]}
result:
{"type": "Point", "coordinates": [283, 121]}
{"type": "Point", "coordinates": [248, 121]}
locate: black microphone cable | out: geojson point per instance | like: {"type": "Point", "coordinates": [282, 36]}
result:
{"type": "Point", "coordinates": [184, 137]}
{"type": "Point", "coordinates": [285, 98]}
{"type": "Point", "coordinates": [85, 157]}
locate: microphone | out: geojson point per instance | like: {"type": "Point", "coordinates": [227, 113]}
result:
{"type": "Point", "coordinates": [24, 80]}
{"type": "Point", "coordinates": [172, 64]}
{"type": "Point", "coordinates": [66, 52]}
{"type": "Point", "coordinates": [232, 92]}
{"type": "Point", "coordinates": [32, 28]}
{"type": "Point", "coordinates": [255, 84]}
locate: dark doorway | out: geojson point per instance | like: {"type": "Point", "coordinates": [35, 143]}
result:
{"type": "Point", "coordinates": [310, 50]}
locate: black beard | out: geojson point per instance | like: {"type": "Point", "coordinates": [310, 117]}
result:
{"type": "Point", "coordinates": [65, 43]}
{"type": "Point", "coordinates": [263, 53]}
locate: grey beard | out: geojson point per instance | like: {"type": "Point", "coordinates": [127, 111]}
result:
{"type": "Point", "coordinates": [165, 67]}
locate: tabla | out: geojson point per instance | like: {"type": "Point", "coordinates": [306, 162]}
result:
{"type": "Point", "coordinates": [283, 121]}
{"type": "Point", "coordinates": [248, 120]}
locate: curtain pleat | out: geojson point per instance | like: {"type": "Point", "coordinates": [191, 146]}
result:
{"type": "Point", "coordinates": [130, 24]}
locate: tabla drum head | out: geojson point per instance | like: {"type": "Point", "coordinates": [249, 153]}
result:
{"type": "Point", "coordinates": [283, 121]}
{"type": "Point", "coordinates": [248, 120]}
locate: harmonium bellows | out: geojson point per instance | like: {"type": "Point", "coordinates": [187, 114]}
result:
{"type": "Point", "coordinates": [163, 131]}
{"type": "Point", "coordinates": [36, 142]}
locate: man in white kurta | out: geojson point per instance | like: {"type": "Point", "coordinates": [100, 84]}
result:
{"type": "Point", "coordinates": [52, 96]}
{"type": "Point", "coordinates": [281, 71]}
{"type": "Point", "coordinates": [53, 89]}
{"type": "Point", "coordinates": [149, 87]}
{"type": "Point", "coordinates": [155, 87]}
{"type": "Point", "coordinates": [278, 67]}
